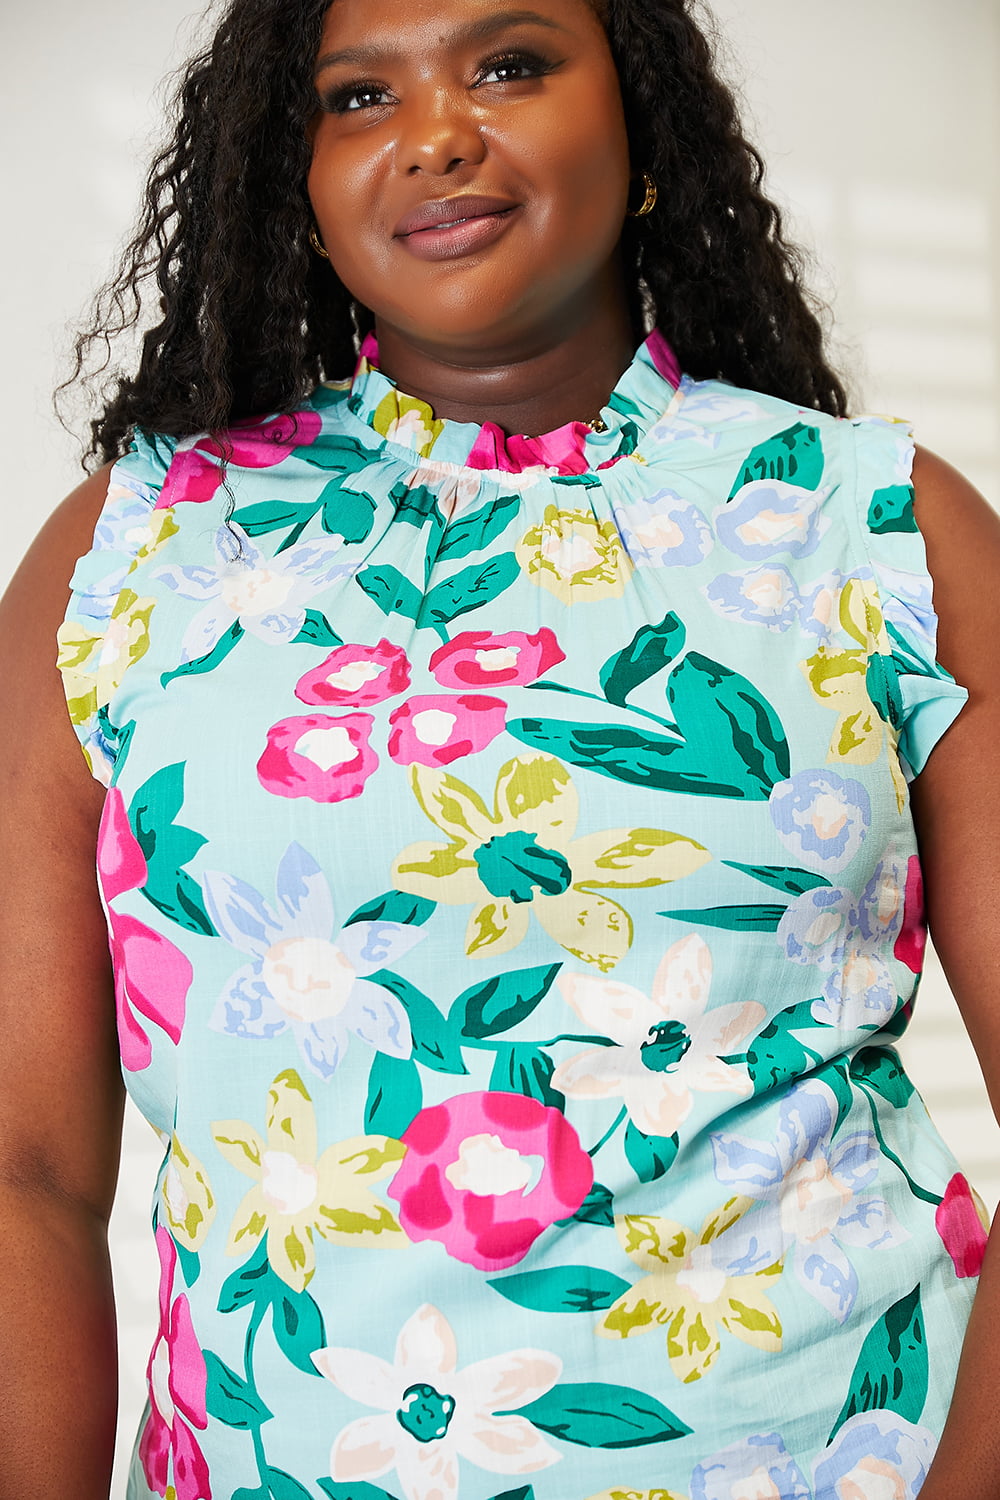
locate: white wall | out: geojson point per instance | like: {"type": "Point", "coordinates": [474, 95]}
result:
{"type": "Point", "coordinates": [880, 121]}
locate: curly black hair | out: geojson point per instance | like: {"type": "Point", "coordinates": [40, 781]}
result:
{"type": "Point", "coordinates": [251, 319]}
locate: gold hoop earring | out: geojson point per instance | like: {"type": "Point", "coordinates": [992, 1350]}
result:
{"type": "Point", "coordinates": [316, 242]}
{"type": "Point", "coordinates": [649, 201]}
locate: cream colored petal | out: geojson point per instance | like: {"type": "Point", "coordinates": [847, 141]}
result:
{"type": "Point", "coordinates": [455, 808]}
{"type": "Point", "coordinates": [366, 1449]}
{"type": "Point", "coordinates": [291, 1119]}
{"type": "Point", "coordinates": [249, 1223]}
{"type": "Point", "coordinates": [496, 927]}
{"type": "Point", "coordinates": [657, 1103]}
{"type": "Point", "coordinates": [536, 793]}
{"type": "Point", "coordinates": [724, 1218]}
{"type": "Point", "coordinates": [620, 858]}
{"type": "Point", "coordinates": [507, 1381]}
{"type": "Point", "coordinates": [428, 1471]}
{"type": "Point", "coordinates": [438, 872]}
{"type": "Point", "coordinates": [651, 1303]}
{"type": "Point", "coordinates": [653, 1243]}
{"type": "Point", "coordinates": [240, 1144]}
{"type": "Point", "coordinates": [594, 1074]}
{"type": "Point", "coordinates": [368, 1156]}
{"type": "Point", "coordinates": [680, 988]}
{"type": "Point", "coordinates": [290, 1251]}
{"type": "Point", "coordinates": [591, 927]}
{"type": "Point", "coordinates": [426, 1346]}
{"type": "Point", "coordinates": [692, 1343]}
{"type": "Point", "coordinates": [188, 1200]}
{"type": "Point", "coordinates": [362, 1376]}
{"type": "Point", "coordinates": [708, 1075]}
{"type": "Point", "coordinates": [503, 1445]}
{"type": "Point", "coordinates": [610, 1008]}
{"type": "Point", "coordinates": [726, 1028]}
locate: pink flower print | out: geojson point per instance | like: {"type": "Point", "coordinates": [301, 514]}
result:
{"type": "Point", "coordinates": [356, 676]}
{"type": "Point", "coordinates": [963, 1224]}
{"type": "Point", "coordinates": [485, 1173]}
{"type": "Point", "coordinates": [435, 730]}
{"type": "Point", "coordinates": [195, 473]}
{"type": "Point", "coordinates": [912, 938]}
{"type": "Point", "coordinates": [477, 658]}
{"type": "Point", "coordinates": [318, 756]}
{"type": "Point", "coordinates": [177, 1380]}
{"type": "Point", "coordinates": [563, 450]}
{"type": "Point", "coordinates": [152, 976]}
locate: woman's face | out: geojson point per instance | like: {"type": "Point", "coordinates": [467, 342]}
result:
{"type": "Point", "coordinates": [470, 167]}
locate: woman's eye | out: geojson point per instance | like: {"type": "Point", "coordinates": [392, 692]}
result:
{"type": "Point", "coordinates": [513, 67]}
{"type": "Point", "coordinates": [357, 96]}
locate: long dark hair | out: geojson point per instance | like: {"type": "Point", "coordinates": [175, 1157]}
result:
{"type": "Point", "coordinates": [251, 319]}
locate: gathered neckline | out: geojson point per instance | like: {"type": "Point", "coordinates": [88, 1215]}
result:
{"type": "Point", "coordinates": [639, 399]}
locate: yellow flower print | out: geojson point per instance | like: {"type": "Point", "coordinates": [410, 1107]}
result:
{"type": "Point", "coordinates": [188, 1200]}
{"type": "Point", "coordinates": [839, 680]}
{"type": "Point", "coordinates": [692, 1285]}
{"type": "Point", "coordinates": [575, 556]}
{"type": "Point", "coordinates": [294, 1194]}
{"type": "Point", "coordinates": [639, 1495]}
{"type": "Point", "coordinates": [523, 857]}
{"type": "Point", "coordinates": [407, 421]}
{"type": "Point", "coordinates": [93, 667]}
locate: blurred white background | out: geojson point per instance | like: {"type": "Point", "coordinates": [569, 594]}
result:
{"type": "Point", "coordinates": [880, 120]}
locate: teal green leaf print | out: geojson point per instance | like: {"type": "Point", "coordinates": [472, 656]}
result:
{"type": "Point", "coordinates": [624, 754]}
{"type": "Point", "coordinates": [491, 1008]}
{"type": "Point", "coordinates": [594, 1415]}
{"type": "Point", "coordinates": [230, 1399]}
{"type": "Point", "coordinates": [298, 1327]}
{"type": "Point", "coordinates": [274, 515]}
{"type": "Point", "coordinates": [525, 1493]}
{"type": "Point", "coordinates": [834, 1075]}
{"type": "Point", "coordinates": [891, 1371]}
{"type": "Point", "coordinates": [781, 877]}
{"type": "Point", "coordinates": [776, 1056]}
{"type": "Point", "coordinates": [468, 590]}
{"type": "Point", "coordinates": [210, 660]}
{"type": "Point", "coordinates": [332, 451]}
{"type": "Point", "coordinates": [251, 1286]}
{"type": "Point", "coordinates": [346, 513]}
{"type": "Point", "coordinates": [435, 1043]}
{"type": "Point", "coordinates": [651, 649]}
{"type": "Point", "coordinates": [284, 1487]}
{"type": "Point", "coordinates": [794, 456]}
{"type": "Point", "coordinates": [166, 847]}
{"type": "Point", "coordinates": [597, 1208]}
{"type": "Point", "coordinates": [316, 630]}
{"type": "Point", "coordinates": [880, 1070]}
{"type": "Point", "coordinates": [891, 509]}
{"type": "Point", "coordinates": [728, 725]}
{"type": "Point", "coordinates": [189, 1262]}
{"type": "Point", "coordinates": [882, 686]}
{"type": "Point", "coordinates": [394, 906]}
{"type": "Point", "coordinates": [394, 594]}
{"type": "Point", "coordinates": [649, 1156]}
{"type": "Point", "coordinates": [733, 918]}
{"type": "Point", "coordinates": [563, 1289]}
{"type": "Point", "coordinates": [474, 532]}
{"type": "Point", "coordinates": [359, 1490]}
{"type": "Point", "coordinates": [395, 1095]}
{"type": "Point", "coordinates": [523, 1069]}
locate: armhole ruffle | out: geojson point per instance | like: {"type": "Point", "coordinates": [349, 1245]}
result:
{"type": "Point", "coordinates": [106, 624]}
{"type": "Point", "coordinates": [929, 699]}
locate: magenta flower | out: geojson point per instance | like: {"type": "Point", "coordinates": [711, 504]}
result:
{"type": "Point", "coordinates": [356, 676]}
{"type": "Point", "coordinates": [177, 1381]}
{"type": "Point", "coordinates": [315, 755]}
{"type": "Point", "coordinates": [257, 443]}
{"type": "Point", "coordinates": [912, 938]}
{"type": "Point", "coordinates": [485, 1173]}
{"type": "Point", "coordinates": [152, 976]}
{"type": "Point", "coordinates": [963, 1225]}
{"type": "Point", "coordinates": [476, 658]}
{"type": "Point", "coordinates": [435, 730]}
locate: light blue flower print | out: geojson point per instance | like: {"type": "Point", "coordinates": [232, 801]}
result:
{"type": "Point", "coordinates": [809, 1190]}
{"type": "Point", "coordinates": [907, 603]}
{"type": "Point", "coordinates": [768, 517]}
{"type": "Point", "coordinates": [821, 818]}
{"type": "Point", "coordinates": [299, 979]}
{"type": "Point", "coordinates": [696, 417]}
{"type": "Point", "coordinates": [664, 530]}
{"type": "Point", "coordinates": [759, 596]}
{"type": "Point", "coordinates": [266, 595]}
{"type": "Point", "coordinates": [876, 1455]}
{"type": "Point", "coordinates": [846, 937]}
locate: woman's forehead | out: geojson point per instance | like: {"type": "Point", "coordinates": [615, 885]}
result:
{"type": "Point", "coordinates": [454, 20]}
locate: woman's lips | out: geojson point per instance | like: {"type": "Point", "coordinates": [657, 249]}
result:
{"type": "Point", "coordinates": [453, 227]}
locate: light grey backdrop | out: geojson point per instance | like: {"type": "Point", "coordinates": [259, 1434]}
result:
{"type": "Point", "coordinates": [881, 123]}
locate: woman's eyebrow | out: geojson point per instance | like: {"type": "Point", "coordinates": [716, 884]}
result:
{"type": "Point", "coordinates": [474, 31]}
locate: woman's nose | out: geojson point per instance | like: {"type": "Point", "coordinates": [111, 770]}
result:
{"type": "Point", "coordinates": [437, 134]}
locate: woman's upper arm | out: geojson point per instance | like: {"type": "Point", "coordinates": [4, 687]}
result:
{"type": "Point", "coordinates": [956, 798]}
{"type": "Point", "coordinates": [60, 1089]}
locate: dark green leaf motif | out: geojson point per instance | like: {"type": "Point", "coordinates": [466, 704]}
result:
{"type": "Point", "coordinates": [394, 594]}
{"type": "Point", "coordinates": [649, 1156]}
{"type": "Point", "coordinates": [491, 1008]}
{"type": "Point", "coordinates": [298, 1328]}
{"type": "Point", "coordinates": [781, 877]}
{"type": "Point", "coordinates": [230, 1399]}
{"type": "Point", "coordinates": [891, 509]}
{"type": "Point", "coordinates": [395, 1095]}
{"type": "Point", "coordinates": [474, 532]}
{"type": "Point", "coordinates": [358, 1490]}
{"type": "Point", "coordinates": [394, 906]}
{"type": "Point", "coordinates": [775, 1056]}
{"type": "Point", "coordinates": [316, 630]}
{"type": "Point", "coordinates": [563, 1289]}
{"type": "Point", "coordinates": [594, 1415]}
{"type": "Point", "coordinates": [284, 1487]}
{"type": "Point", "coordinates": [526, 1492]}
{"type": "Point", "coordinates": [794, 456]}
{"type": "Point", "coordinates": [521, 1068]}
{"type": "Point", "coordinates": [210, 660]}
{"type": "Point", "coordinates": [435, 1040]}
{"type": "Point", "coordinates": [733, 918]}
{"type": "Point", "coordinates": [651, 649]}
{"type": "Point", "coordinates": [166, 847]}
{"type": "Point", "coordinates": [468, 590]}
{"type": "Point", "coordinates": [891, 1370]}
{"type": "Point", "coordinates": [880, 1070]}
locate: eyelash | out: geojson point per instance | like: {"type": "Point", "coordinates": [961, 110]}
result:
{"type": "Point", "coordinates": [531, 64]}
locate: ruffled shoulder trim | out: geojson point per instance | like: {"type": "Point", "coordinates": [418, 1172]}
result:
{"type": "Point", "coordinates": [927, 699]}
{"type": "Point", "coordinates": [106, 627]}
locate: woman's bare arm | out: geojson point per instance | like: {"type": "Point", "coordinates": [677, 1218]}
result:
{"type": "Point", "coordinates": [956, 804]}
{"type": "Point", "coordinates": [60, 1086]}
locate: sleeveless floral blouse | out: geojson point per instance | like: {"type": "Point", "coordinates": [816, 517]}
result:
{"type": "Point", "coordinates": [514, 901]}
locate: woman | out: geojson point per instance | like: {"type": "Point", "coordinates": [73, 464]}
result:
{"type": "Point", "coordinates": [493, 1165]}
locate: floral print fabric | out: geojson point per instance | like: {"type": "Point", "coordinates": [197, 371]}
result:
{"type": "Point", "coordinates": [514, 903]}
